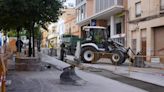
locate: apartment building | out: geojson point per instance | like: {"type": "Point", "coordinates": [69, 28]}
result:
{"type": "Point", "coordinates": [62, 26]}
{"type": "Point", "coordinates": [66, 24]}
{"type": "Point", "coordinates": [108, 13]}
{"type": "Point", "coordinates": [69, 17]}
{"type": "Point", "coordinates": [146, 27]}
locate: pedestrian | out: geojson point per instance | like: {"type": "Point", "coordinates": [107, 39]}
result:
{"type": "Point", "coordinates": [19, 45]}
{"type": "Point", "coordinates": [38, 44]}
{"type": "Point", "coordinates": [62, 51]}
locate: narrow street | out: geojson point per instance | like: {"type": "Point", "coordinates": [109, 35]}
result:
{"type": "Point", "coordinates": [81, 46]}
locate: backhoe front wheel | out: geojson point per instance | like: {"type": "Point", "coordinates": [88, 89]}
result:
{"type": "Point", "coordinates": [87, 54]}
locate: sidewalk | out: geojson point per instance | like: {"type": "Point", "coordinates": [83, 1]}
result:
{"type": "Point", "coordinates": [95, 83]}
{"type": "Point", "coordinates": [150, 74]}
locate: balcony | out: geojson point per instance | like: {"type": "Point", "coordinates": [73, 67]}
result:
{"type": "Point", "coordinates": [101, 5]}
{"type": "Point", "coordinates": [103, 10]}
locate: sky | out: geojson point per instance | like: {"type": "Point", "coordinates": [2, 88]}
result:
{"type": "Point", "coordinates": [70, 1]}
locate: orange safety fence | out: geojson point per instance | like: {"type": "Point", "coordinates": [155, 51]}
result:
{"type": "Point", "coordinates": [3, 71]}
{"type": "Point", "coordinates": [5, 53]}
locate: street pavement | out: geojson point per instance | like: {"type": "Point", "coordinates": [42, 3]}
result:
{"type": "Point", "coordinates": [49, 81]}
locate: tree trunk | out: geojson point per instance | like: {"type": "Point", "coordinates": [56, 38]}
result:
{"type": "Point", "coordinates": [18, 29]}
{"type": "Point", "coordinates": [33, 42]}
{"type": "Point", "coordinates": [18, 38]}
{"type": "Point", "coordinates": [30, 51]}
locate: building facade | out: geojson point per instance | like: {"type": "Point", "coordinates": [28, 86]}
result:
{"type": "Point", "coordinates": [66, 24]}
{"type": "Point", "coordinates": [107, 13]}
{"type": "Point", "coordinates": [44, 42]}
{"type": "Point", "coordinates": [146, 27]}
{"type": "Point", "coordinates": [69, 17]}
{"type": "Point", "coordinates": [53, 36]}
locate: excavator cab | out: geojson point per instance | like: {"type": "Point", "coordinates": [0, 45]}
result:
{"type": "Point", "coordinates": [95, 34]}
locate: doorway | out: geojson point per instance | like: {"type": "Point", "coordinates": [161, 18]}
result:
{"type": "Point", "coordinates": [143, 43]}
{"type": "Point", "coordinates": [108, 31]}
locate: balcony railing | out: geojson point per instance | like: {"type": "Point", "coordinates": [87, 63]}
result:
{"type": "Point", "coordinates": [101, 5]}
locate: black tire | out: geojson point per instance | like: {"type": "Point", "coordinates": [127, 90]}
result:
{"type": "Point", "coordinates": [85, 54]}
{"type": "Point", "coordinates": [118, 57]}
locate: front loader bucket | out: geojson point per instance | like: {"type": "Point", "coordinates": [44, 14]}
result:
{"type": "Point", "coordinates": [69, 77]}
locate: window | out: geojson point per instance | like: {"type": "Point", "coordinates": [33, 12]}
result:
{"type": "Point", "coordinates": [138, 9]}
{"type": "Point", "coordinates": [134, 45]}
{"type": "Point", "coordinates": [118, 28]}
{"type": "Point", "coordinates": [81, 13]}
{"type": "Point", "coordinates": [162, 5]}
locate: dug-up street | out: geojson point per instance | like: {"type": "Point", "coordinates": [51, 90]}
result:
{"type": "Point", "coordinates": [48, 80]}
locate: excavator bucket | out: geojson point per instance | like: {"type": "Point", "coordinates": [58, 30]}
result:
{"type": "Point", "coordinates": [70, 77]}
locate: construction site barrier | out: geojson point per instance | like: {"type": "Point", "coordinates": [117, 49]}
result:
{"type": "Point", "coordinates": [3, 71]}
{"type": "Point", "coordinates": [5, 53]}
{"type": "Point", "coordinates": [144, 59]}
{"type": "Point", "coordinates": [135, 58]}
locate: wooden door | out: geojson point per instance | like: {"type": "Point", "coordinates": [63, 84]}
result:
{"type": "Point", "coordinates": [143, 47]}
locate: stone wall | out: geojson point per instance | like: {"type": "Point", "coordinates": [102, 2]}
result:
{"type": "Point", "coordinates": [28, 63]}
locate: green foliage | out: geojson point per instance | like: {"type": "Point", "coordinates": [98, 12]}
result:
{"type": "Point", "coordinates": [27, 13]}
{"type": "Point", "coordinates": [18, 14]}
{"type": "Point", "coordinates": [13, 33]}
{"type": "Point", "coordinates": [37, 32]}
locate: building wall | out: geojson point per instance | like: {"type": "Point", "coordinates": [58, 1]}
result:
{"type": "Point", "coordinates": [145, 25]}
{"type": "Point", "coordinates": [148, 7]}
{"type": "Point", "coordinates": [71, 27]}
{"type": "Point", "coordinates": [101, 23]}
{"type": "Point", "coordinates": [44, 39]}
{"type": "Point", "coordinates": [70, 22]}
{"type": "Point", "coordinates": [68, 14]}
{"type": "Point", "coordinates": [90, 8]}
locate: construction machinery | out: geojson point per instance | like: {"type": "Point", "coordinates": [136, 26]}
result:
{"type": "Point", "coordinates": [96, 40]}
